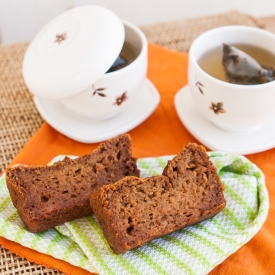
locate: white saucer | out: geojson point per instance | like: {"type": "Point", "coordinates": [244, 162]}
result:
{"type": "Point", "coordinates": [219, 140]}
{"type": "Point", "coordinates": [64, 121]}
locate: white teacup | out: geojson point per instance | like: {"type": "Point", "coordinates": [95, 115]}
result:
{"type": "Point", "coordinates": [231, 107]}
{"type": "Point", "coordinates": [114, 91]}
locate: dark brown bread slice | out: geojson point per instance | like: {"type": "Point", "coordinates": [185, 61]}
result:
{"type": "Point", "coordinates": [134, 211]}
{"type": "Point", "coordinates": [46, 196]}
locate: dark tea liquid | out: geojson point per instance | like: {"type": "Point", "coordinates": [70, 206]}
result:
{"type": "Point", "coordinates": [127, 55]}
{"type": "Point", "coordinates": [211, 62]}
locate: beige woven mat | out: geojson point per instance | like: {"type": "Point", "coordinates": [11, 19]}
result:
{"type": "Point", "coordinates": [178, 35]}
{"type": "Point", "coordinates": [19, 119]}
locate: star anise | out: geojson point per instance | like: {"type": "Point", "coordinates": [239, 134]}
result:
{"type": "Point", "coordinates": [217, 108]}
{"type": "Point", "coordinates": [60, 37]}
{"type": "Point", "coordinates": [120, 99]}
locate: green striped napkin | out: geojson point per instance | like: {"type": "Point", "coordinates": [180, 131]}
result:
{"type": "Point", "coordinates": [193, 250]}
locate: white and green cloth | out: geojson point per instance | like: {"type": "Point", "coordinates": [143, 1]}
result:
{"type": "Point", "coordinates": [193, 250]}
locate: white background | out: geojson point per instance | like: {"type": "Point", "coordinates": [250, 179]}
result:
{"type": "Point", "coordinates": [20, 20]}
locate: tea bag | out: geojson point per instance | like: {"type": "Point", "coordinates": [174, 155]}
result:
{"type": "Point", "coordinates": [241, 68]}
{"type": "Point", "coordinates": [120, 63]}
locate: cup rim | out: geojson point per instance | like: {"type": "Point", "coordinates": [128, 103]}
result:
{"type": "Point", "coordinates": [143, 51]}
{"type": "Point", "coordinates": [220, 82]}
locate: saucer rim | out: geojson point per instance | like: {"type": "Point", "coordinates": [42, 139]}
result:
{"type": "Point", "coordinates": [205, 138]}
{"type": "Point", "coordinates": [69, 132]}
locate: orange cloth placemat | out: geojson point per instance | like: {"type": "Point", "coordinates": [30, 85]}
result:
{"type": "Point", "coordinates": [161, 134]}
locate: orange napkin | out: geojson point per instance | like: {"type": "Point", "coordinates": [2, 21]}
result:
{"type": "Point", "coordinates": [161, 134]}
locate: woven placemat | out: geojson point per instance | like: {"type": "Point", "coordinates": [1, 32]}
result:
{"type": "Point", "coordinates": [19, 119]}
{"type": "Point", "coordinates": [179, 35]}
{"type": "Point", "coordinates": [11, 264]}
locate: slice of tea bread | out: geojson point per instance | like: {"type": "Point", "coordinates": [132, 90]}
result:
{"type": "Point", "coordinates": [134, 210]}
{"type": "Point", "coordinates": [46, 196]}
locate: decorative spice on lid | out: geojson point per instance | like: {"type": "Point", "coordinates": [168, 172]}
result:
{"type": "Point", "coordinates": [60, 38]}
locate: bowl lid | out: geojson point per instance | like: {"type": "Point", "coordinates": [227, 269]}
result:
{"type": "Point", "coordinates": [72, 51]}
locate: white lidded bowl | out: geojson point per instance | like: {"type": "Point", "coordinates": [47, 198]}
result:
{"type": "Point", "coordinates": [69, 58]}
